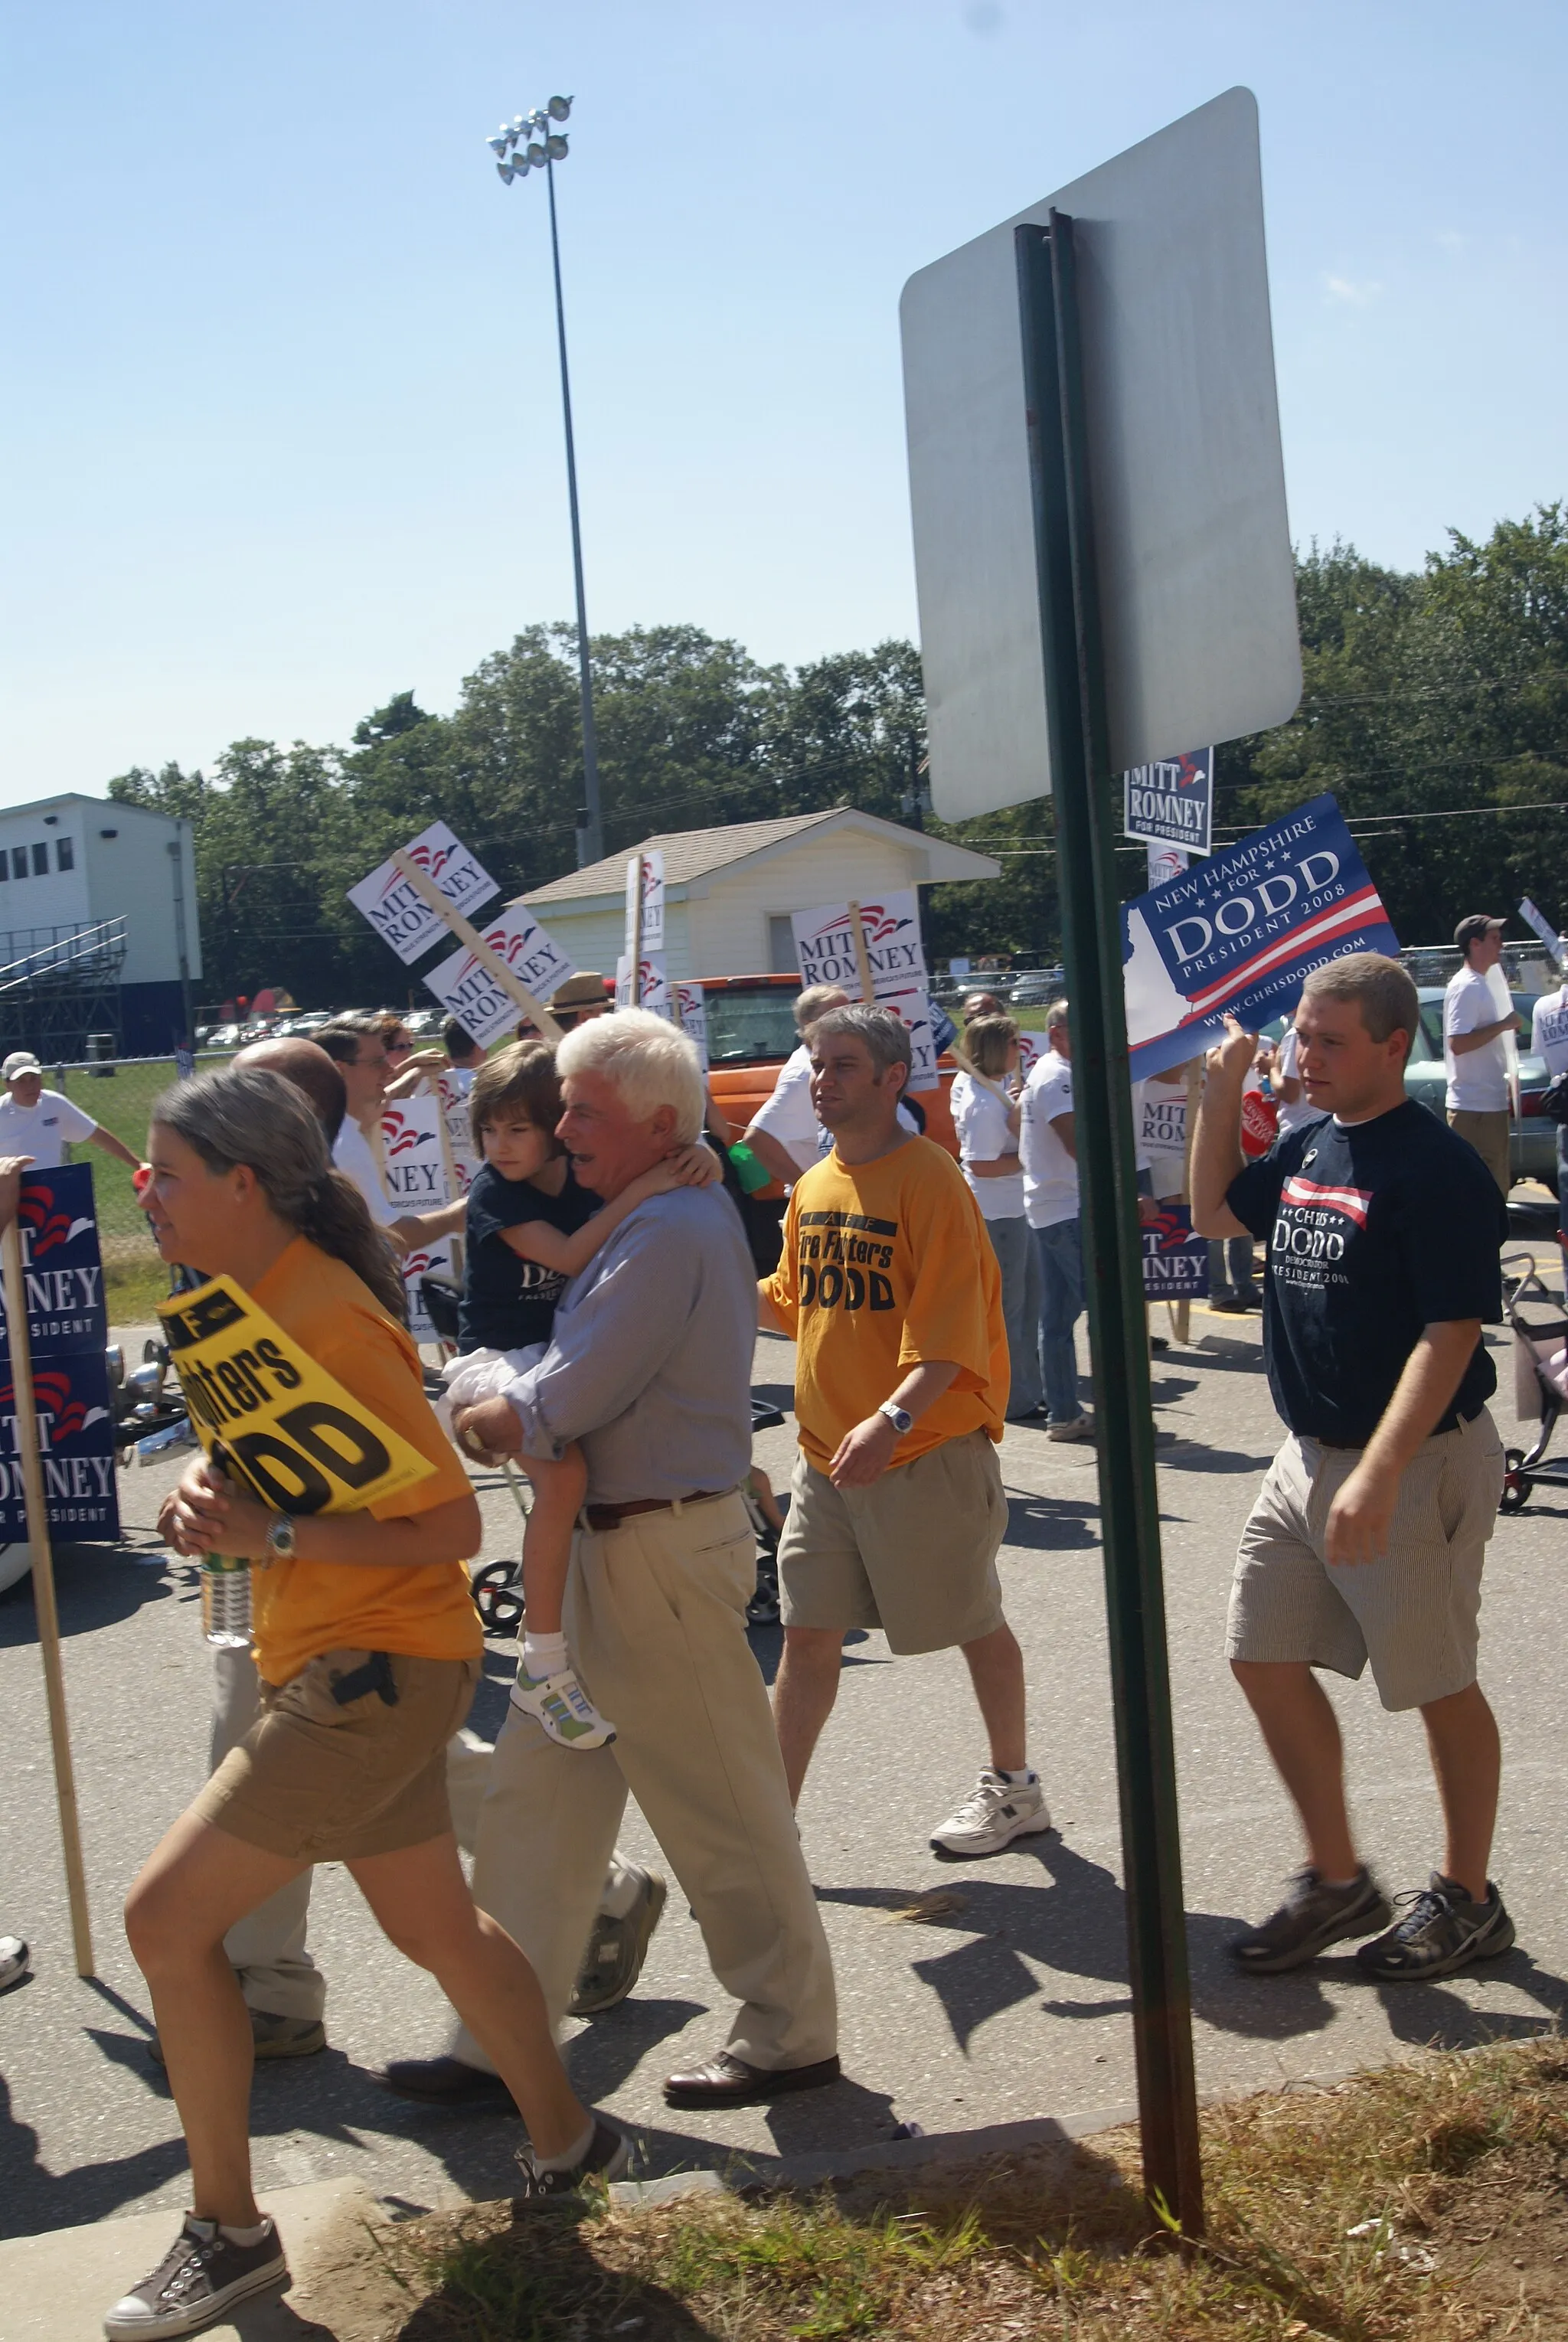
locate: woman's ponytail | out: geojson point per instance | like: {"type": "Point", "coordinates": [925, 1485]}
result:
{"type": "Point", "coordinates": [338, 1220]}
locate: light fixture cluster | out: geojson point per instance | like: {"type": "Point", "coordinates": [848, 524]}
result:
{"type": "Point", "coordinates": [529, 141]}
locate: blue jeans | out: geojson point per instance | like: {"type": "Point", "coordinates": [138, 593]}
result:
{"type": "Point", "coordinates": [1012, 1242]}
{"type": "Point", "coordinates": [1060, 1250]}
{"type": "Point", "coordinates": [1563, 1182]}
{"type": "Point", "coordinates": [1233, 1254]}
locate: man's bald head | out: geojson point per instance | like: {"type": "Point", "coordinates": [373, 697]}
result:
{"type": "Point", "coordinates": [310, 1069]}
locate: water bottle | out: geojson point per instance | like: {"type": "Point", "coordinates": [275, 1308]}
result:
{"type": "Point", "coordinates": [226, 1602]}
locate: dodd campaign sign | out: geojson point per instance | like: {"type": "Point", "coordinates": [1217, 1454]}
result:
{"type": "Point", "coordinates": [1172, 803]}
{"type": "Point", "coordinates": [275, 1418]}
{"type": "Point", "coordinates": [1240, 934]}
{"type": "Point", "coordinates": [467, 989]}
{"type": "Point", "coordinates": [402, 917]}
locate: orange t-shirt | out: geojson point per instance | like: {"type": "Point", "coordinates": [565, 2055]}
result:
{"type": "Point", "coordinates": [887, 1265]}
{"type": "Point", "coordinates": [424, 1610]}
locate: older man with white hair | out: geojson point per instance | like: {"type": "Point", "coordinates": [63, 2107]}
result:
{"type": "Point", "coordinates": [649, 1368]}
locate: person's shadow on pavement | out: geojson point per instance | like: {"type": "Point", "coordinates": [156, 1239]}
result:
{"type": "Point", "coordinates": [1073, 1919]}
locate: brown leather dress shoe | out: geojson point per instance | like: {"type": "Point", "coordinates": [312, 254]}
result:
{"type": "Point", "coordinates": [448, 2082]}
{"type": "Point", "coordinates": [728, 2080]}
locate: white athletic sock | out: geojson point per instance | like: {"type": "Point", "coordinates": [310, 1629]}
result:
{"type": "Point", "coordinates": [243, 2236]}
{"type": "Point", "coordinates": [573, 2157]}
{"type": "Point", "coordinates": [543, 1655]}
{"type": "Point", "coordinates": [1027, 1779]}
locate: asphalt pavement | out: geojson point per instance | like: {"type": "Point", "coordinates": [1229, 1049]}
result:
{"type": "Point", "coordinates": [1004, 1997]}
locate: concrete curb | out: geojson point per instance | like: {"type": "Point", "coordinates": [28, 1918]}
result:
{"type": "Point", "coordinates": [55, 2288]}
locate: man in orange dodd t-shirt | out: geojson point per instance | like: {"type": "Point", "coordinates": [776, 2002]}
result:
{"type": "Point", "coordinates": [889, 1286]}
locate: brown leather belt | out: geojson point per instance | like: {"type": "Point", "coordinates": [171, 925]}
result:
{"type": "Point", "coordinates": [609, 1517]}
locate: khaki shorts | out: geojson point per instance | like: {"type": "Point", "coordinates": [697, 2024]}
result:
{"type": "Point", "coordinates": [914, 1554]}
{"type": "Point", "coordinates": [320, 1779]}
{"type": "Point", "coordinates": [1488, 1134]}
{"type": "Point", "coordinates": [1414, 1612]}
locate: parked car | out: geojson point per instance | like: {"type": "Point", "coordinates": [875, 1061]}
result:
{"type": "Point", "coordinates": [1532, 1135]}
{"type": "Point", "coordinates": [1037, 987]}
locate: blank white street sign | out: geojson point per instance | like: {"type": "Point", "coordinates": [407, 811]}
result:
{"type": "Point", "coordinates": [1197, 585]}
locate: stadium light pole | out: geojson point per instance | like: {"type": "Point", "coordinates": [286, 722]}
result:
{"type": "Point", "coordinates": [531, 142]}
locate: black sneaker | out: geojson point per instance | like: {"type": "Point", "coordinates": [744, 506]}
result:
{"type": "Point", "coordinates": [200, 2277]}
{"type": "Point", "coordinates": [1311, 1918]}
{"type": "Point", "coordinates": [1441, 1930]}
{"type": "Point", "coordinates": [609, 2157]}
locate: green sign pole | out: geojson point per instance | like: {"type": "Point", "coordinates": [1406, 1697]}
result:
{"type": "Point", "coordinates": [1087, 823]}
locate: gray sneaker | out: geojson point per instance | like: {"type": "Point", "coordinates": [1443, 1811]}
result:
{"type": "Point", "coordinates": [1441, 1930]}
{"type": "Point", "coordinates": [16, 1961]}
{"type": "Point", "coordinates": [200, 2277]}
{"type": "Point", "coordinates": [616, 1950]}
{"type": "Point", "coordinates": [271, 2036]}
{"type": "Point", "coordinates": [1311, 1918]}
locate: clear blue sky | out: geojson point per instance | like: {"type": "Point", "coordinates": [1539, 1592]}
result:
{"type": "Point", "coordinates": [282, 426]}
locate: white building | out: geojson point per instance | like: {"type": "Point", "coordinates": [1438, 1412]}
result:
{"type": "Point", "coordinates": [729, 892]}
{"type": "Point", "coordinates": [105, 893]}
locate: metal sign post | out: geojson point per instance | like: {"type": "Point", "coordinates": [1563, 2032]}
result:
{"type": "Point", "coordinates": [1088, 815]}
{"type": "Point", "coordinates": [37, 1505]}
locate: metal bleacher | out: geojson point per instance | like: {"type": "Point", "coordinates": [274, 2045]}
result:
{"type": "Point", "coordinates": [57, 984]}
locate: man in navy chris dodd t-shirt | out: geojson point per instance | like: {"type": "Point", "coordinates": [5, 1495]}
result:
{"type": "Point", "coordinates": [1368, 1537]}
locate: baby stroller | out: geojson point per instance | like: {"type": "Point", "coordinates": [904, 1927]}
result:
{"type": "Point", "coordinates": [1540, 1331]}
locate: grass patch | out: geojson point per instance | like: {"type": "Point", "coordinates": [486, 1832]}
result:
{"type": "Point", "coordinates": [134, 1278]}
{"type": "Point", "coordinates": [1425, 2201]}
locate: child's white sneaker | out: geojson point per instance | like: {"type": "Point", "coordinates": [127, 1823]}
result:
{"type": "Point", "coordinates": [564, 1708]}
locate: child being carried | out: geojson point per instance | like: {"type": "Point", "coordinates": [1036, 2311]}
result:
{"type": "Point", "coordinates": [530, 1230]}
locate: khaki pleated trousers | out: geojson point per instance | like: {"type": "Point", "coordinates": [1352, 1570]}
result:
{"type": "Point", "coordinates": [655, 1625]}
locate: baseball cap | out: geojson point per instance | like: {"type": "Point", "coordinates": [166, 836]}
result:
{"type": "Point", "coordinates": [1477, 926]}
{"type": "Point", "coordinates": [20, 1061]}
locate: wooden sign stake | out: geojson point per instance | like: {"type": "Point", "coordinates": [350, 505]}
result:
{"type": "Point", "coordinates": [426, 888]}
{"type": "Point", "coordinates": [862, 957]}
{"type": "Point", "coordinates": [44, 1591]}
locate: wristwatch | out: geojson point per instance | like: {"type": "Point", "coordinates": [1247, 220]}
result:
{"type": "Point", "coordinates": [280, 1539]}
{"type": "Point", "coordinates": [899, 1417]}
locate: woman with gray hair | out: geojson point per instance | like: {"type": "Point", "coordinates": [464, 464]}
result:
{"type": "Point", "coordinates": [368, 1646]}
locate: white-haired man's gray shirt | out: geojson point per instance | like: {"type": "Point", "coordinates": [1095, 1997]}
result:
{"type": "Point", "coordinates": [650, 1358]}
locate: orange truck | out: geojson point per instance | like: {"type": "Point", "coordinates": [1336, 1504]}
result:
{"type": "Point", "coordinates": [751, 1031]}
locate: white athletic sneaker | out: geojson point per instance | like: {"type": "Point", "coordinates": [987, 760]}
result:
{"type": "Point", "coordinates": [994, 1812]}
{"type": "Point", "coordinates": [1081, 1427]}
{"type": "Point", "coordinates": [564, 1708]}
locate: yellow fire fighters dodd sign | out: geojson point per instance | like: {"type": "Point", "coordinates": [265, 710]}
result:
{"type": "Point", "coordinates": [274, 1418]}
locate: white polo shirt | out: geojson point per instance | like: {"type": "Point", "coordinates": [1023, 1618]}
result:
{"type": "Point", "coordinates": [43, 1131]}
{"type": "Point", "coordinates": [1050, 1173]}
